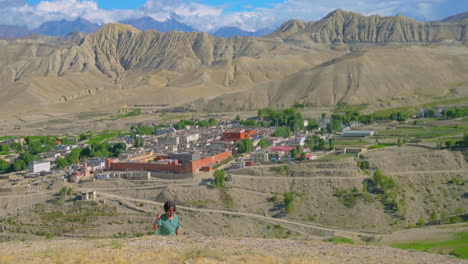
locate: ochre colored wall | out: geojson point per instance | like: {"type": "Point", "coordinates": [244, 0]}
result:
{"type": "Point", "coordinates": [190, 167]}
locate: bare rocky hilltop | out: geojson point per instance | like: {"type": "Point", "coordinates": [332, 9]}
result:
{"type": "Point", "coordinates": [344, 57]}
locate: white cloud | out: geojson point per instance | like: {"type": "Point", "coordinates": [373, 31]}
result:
{"type": "Point", "coordinates": [208, 18]}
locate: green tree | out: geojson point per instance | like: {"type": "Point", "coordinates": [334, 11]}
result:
{"type": "Point", "coordinates": [87, 153]}
{"type": "Point", "coordinates": [294, 153]}
{"type": "Point", "coordinates": [35, 147]}
{"type": "Point", "coordinates": [249, 123]}
{"type": "Point", "coordinates": [245, 146]}
{"type": "Point", "coordinates": [430, 113]}
{"type": "Point", "coordinates": [219, 177]}
{"type": "Point", "coordinates": [74, 156]}
{"type": "Point", "coordinates": [313, 124]}
{"type": "Point", "coordinates": [331, 143]}
{"type": "Point", "coordinates": [334, 126]}
{"type": "Point", "coordinates": [118, 148]}
{"type": "Point", "coordinates": [213, 122]}
{"type": "Point", "coordinates": [449, 143]}
{"type": "Point", "coordinates": [282, 132]}
{"type": "Point", "coordinates": [4, 148]}
{"type": "Point", "coordinates": [263, 143]}
{"type": "Point", "coordinates": [3, 166]}
{"type": "Point", "coordinates": [20, 165]}
{"type": "Point", "coordinates": [16, 146]}
{"type": "Point", "coordinates": [61, 162]}
{"type": "Point", "coordinates": [26, 157]}
{"type": "Point", "coordinates": [144, 130]}
{"type": "Point", "coordinates": [83, 137]}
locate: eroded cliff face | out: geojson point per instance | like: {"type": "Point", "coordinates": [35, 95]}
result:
{"type": "Point", "coordinates": [320, 63]}
{"type": "Point", "coordinates": [348, 27]}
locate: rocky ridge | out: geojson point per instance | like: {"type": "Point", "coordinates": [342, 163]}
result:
{"type": "Point", "coordinates": [333, 60]}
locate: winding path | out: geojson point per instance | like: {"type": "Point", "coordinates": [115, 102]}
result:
{"type": "Point", "coordinates": [261, 217]}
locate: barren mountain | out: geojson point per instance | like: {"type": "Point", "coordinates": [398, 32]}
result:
{"type": "Point", "coordinates": [10, 31]}
{"type": "Point", "coordinates": [343, 57]}
{"type": "Point", "coordinates": [65, 27]}
{"type": "Point", "coordinates": [347, 27]}
{"type": "Point", "coordinates": [456, 18]}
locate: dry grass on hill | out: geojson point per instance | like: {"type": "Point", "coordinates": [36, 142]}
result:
{"type": "Point", "coordinates": [156, 249]}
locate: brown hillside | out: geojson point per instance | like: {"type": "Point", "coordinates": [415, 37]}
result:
{"type": "Point", "coordinates": [320, 63]}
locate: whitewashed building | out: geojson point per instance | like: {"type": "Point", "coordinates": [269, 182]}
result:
{"type": "Point", "coordinates": [39, 166]}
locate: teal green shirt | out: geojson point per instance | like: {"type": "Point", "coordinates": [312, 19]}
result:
{"type": "Point", "coordinates": [168, 226]}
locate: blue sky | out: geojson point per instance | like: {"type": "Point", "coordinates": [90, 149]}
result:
{"type": "Point", "coordinates": [209, 15]}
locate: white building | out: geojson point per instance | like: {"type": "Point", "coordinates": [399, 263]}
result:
{"type": "Point", "coordinates": [96, 163]}
{"type": "Point", "coordinates": [297, 141]}
{"type": "Point", "coordinates": [185, 139]}
{"type": "Point", "coordinates": [38, 166]}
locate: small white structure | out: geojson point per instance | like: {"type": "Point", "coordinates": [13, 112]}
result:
{"type": "Point", "coordinates": [185, 139]}
{"type": "Point", "coordinates": [296, 141]}
{"type": "Point", "coordinates": [39, 166]}
{"type": "Point", "coordinates": [96, 163]}
{"type": "Point", "coordinates": [357, 133]}
{"type": "Point", "coordinates": [103, 176]}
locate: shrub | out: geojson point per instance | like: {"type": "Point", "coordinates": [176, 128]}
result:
{"type": "Point", "coordinates": [48, 235]}
{"type": "Point", "coordinates": [338, 239]}
{"type": "Point", "coordinates": [348, 197]}
{"type": "Point", "coordinates": [420, 223]}
{"type": "Point", "coordinates": [219, 177]}
{"type": "Point", "coordinates": [363, 165]}
{"type": "Point", "coordinates": [289, 202]}
{"type": "Point", "coordinates": [120, 235]}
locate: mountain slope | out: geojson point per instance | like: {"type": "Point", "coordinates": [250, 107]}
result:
{"type": "Point", "coordinates": [337, 59]}
{"type": "Point", "coordinates": [9, 31]}
{"type": "Point", "coordinates": [456, 18]}
{"type": "Point", "coordinates": [373, 76]}
{"type": "Point", "coordinates": [347, 27]}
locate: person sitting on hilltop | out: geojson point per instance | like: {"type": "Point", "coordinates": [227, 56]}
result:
{"type": "Point", "coordinates": [168, 223]}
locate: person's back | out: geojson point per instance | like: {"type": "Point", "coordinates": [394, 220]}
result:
{"type": "Point", "coordinates": [168, 223]}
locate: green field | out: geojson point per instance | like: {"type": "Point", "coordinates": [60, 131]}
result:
{"type": "Point", "coordinates": [457, 246]}
{"type": "Point", "coordinates": [381, 145]}
{"type": "Point", "coordinates": [426, 131]}
{"type": "Point", "coordinates": [412, 109]}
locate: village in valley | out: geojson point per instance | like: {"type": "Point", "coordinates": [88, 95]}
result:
{"type": "Point", "coordinates": [184, 148]}
{"type": "Point", "coordinates": [278, 169]}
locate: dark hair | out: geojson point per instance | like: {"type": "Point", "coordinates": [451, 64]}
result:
{"type": "Point", "coordinates": [168, 205]}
